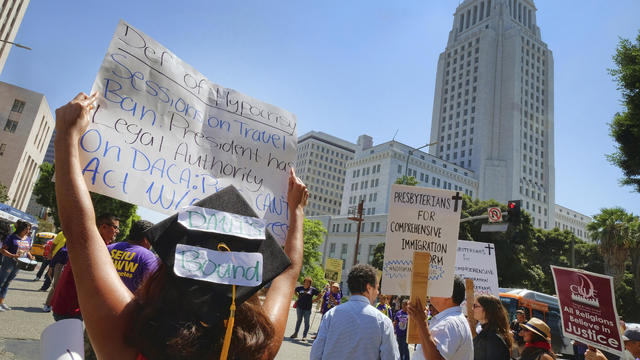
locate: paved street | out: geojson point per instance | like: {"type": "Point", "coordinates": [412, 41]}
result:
{"type": "Point", "coordinates": [21, 327]}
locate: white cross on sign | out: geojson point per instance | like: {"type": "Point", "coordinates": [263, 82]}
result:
{"type": "Point", "coordinates": [495, 214]}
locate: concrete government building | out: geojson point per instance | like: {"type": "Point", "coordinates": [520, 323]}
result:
{"type": "Point", "coordinates": [493, 105]}
{"type": "Point", "coordinates": [27, 125]}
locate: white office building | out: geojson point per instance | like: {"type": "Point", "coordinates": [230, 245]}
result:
{"type": "Point", "coordinates": [27, 125]}
{"type": "Point", "coordinates": [374, 169]}
{"type": "Point", "coordinates": [493, 105]}
{"type": "Point", "coordinates": [567, 219]}
{"type": "Point", "coordinates": [369, 177]}
{"type": "Point", "coordinates": [321, 164]}
{"type": "Point", "coordinates": [11, 14]}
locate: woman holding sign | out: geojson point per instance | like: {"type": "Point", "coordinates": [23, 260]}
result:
{"type": "Point", "coordinates": [173, 317]}
{"type": "Point", "coordinates": [495, 339]}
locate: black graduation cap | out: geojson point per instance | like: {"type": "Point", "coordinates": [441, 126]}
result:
{"type": "Point", "coordinates": [211, 301]}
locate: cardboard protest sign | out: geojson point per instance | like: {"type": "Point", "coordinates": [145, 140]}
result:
{"type": "Point", "coordinates": [163, 136]}
{"type": "Point", "coordinates": [426, 220]}
{"type": "Point", "coordinates": [477, 261]}
{"type": "Point", "coordinates": [588, 308]}
{"type": "Point", "coordinates": [333, 269]}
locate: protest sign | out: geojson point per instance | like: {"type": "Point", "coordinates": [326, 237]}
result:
{"type": "Point", "coordinates": [333, 269]}
{"type": "Point", "coordinates": [477, 261]}
{"type": "Point", "coordinates": [588, 308]}
{"type": "Point", "coordinates": [163, 136]}
{"type": "Point", "coordinates": [426, 220]}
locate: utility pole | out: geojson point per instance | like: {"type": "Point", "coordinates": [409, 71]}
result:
{"type": "Point", "coordinates": [359, 219]}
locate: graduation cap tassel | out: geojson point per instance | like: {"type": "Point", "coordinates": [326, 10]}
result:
{"type": "Point", "coordinates": [232, 316]}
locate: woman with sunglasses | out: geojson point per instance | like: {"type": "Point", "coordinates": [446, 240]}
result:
{"type": "Point", "coordinates": [495, 339]}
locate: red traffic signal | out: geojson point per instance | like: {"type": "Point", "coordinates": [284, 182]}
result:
{"type": "Point", "coordinates": [513, 208]}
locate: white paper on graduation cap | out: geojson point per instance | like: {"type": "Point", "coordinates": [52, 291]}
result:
{"type": "Point", "coordinates": [221, 267]}
{"type": "Point", "coordinates": [220, 222]}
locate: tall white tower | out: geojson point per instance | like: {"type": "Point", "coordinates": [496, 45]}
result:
{"type": "Point", "coordinates": [11, 14]}
{"type": "Point", "coordinates": [493, 106]}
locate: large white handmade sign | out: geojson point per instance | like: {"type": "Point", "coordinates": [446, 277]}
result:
{"type": "Point", "coordinates": [477, 261]}
{"type": "Point", "coordinates": [421, 219]}
{"type": "Point", "coordinates": [163, 136]}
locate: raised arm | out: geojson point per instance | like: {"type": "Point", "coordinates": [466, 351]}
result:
{"type": "Point", "coordinates": [429, 349]}
{"type": "Point", "coordinates": [102, 295]}
{"type": "Point", "coordinates": [276, 305]}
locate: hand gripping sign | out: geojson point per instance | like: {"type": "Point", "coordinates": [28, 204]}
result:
{"type": "Point", "coordinates": [164, 137]}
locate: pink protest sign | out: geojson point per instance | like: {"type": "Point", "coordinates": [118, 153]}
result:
{"type": "Point", "coordinates": [588, 308]}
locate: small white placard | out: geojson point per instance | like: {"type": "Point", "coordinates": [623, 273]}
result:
{"type": "Point", "coordinates": [220, 222]}
{"type": "Point", "coordinates": [62, 340]}
{"type": "Point", "coordinates": [221, 267]}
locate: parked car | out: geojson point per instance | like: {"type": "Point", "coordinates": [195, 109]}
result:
{"type": "Point", "coordinates": [39, 241]}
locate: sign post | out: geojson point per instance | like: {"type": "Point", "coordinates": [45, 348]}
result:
{"type": "Point", "coordinates": [470, 297]}
{"type": "Point", "coordinates": [495, 214]}
{"type": "Point", "coordinates": [588, 308]}
{"type": "Point", "coordinates": [419, 285]}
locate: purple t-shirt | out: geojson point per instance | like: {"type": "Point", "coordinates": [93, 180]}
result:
{"type": "Point", "coordinates": [401, 319]}
{"type": "Point", "coordinates": [330, 300]}
{"type": "Point", "coordinates": [133, 263]}
{"type": "Point", "coordinates": [13, 243]}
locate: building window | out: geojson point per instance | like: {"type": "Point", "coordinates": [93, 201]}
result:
{"type": "Point", "coordinates": [11, 126]}
{"type": "Point", "coordinates": [18, 106]}
{"type": "Point", "coordinates": [3, 147]}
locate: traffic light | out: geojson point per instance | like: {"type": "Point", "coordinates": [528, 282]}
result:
{"type": "Point", "coordinates": [513, 208]}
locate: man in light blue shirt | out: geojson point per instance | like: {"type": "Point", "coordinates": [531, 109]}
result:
{"type": "Point", "coordinates": [355, 329]}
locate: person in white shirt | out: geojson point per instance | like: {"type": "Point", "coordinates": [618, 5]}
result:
{"type": "Point", "coordinates": [356, 329]}
{"type": "Point", "coordinates": [448, 335]}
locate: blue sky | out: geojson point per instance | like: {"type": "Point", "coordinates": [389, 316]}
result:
{"type": "Point", "coordinates": [346, 68]}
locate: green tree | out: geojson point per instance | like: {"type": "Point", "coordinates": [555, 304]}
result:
{"type": "Point", "coordinates": [314, 234]}
{"type": "Point", "coordinates": [625, 127]}
{"type": "Point", "coordinates": [407, 180]}
{"type": "Point", "coordinates": [46, 226]}
{"type": "Point", "coordinates": [633, 245]}
{"type": "Point", "coordinates": [45, 193]}
{"type": "Point", "coordinates": [611, 229]}
{"type": "Point", "coordinates": [378, 256]}
{"type": "Point", "coordinates": [514, 248]}
{"type": "Point", "coordinates": [4, 196]}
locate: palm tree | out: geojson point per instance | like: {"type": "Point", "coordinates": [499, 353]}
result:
{"type": "Point", "coordinates": [611, 229]}
{"type": "Point", "coordinates": [633, 244]}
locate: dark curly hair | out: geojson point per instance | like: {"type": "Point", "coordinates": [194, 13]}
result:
{"type": "Point", "coordinates": [166, 325]}
{"type": "Point", "coordinates": [361, 275]}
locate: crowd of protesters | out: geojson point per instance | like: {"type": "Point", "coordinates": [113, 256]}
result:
{"type": "Point", "coordinates": [132, 306]}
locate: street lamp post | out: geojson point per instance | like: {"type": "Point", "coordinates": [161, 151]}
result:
{"type": "Point", "coordinates": [406, 165]}
{"type": "Point", "coordinates": [16, 44]}
{"type": "Point", "coordinates": [358, 218]}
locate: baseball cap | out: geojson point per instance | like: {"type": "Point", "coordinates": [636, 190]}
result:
{"type": "Point", "coordinates": [631, 335]}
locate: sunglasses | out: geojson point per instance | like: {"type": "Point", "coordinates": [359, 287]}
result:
{"type": "Point", "coordinates": [115, 227]}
